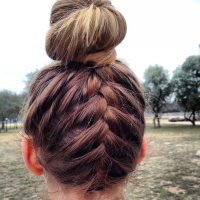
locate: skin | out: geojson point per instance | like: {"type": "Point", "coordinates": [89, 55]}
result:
{"type": "Point", "coordinates": [29, 156]}
{"type": "Point", "coordinates": [62, 193]}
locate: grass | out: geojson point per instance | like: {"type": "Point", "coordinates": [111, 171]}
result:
{"type": "Point", "coordinates": [11, 128]}
{"type": "Point", "coordinates": [170, 171]}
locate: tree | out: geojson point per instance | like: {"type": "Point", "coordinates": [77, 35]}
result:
{"type": "Point", "coordinates": [186, 87]}
{"type": "Point", "coordinates": [29, 77]}
{"type": "Point", "coordinates": [10, 105]}
{"type": "Point", "coordinates": [157, 89]}
{"type": "Point", "coordinates": [171, 107]}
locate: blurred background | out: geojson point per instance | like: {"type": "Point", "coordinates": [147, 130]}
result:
{"type": "Point", "coordinates": [162, 47]}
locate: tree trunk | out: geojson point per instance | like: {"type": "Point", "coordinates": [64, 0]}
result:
{"type": "Point", "coordinates": [158, 119]}
{"type": "Point", "coordinates": [154, 121]}
{"type": "Point", "coordinates": [2, 125]}
{"type": "Point", "coordinates": [193, 119]}
{"type": "Point", "coordinates": [6, 127]}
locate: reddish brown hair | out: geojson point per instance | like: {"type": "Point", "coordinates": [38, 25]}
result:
{"type": "Point", "coordinates": [85, 117]}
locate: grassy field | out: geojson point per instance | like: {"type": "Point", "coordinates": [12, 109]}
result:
{"type": "Point", "coordinates": [170, 171]}
{"type": "Point", "coordinates": [11, 126]}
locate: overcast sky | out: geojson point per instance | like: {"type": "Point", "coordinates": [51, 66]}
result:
{"type": "Point", "coordinates": [163, 32]}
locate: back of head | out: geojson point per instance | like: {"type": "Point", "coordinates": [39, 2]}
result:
{"type": "Point", "coordinates": [85, 113]}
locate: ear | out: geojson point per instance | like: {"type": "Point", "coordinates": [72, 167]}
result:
{"type": "Point", "coordinates": [142, 151]}
{"type": "Point", "coordinates": [29, 156]}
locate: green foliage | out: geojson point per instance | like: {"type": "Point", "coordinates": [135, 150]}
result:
{"type": "Point", "coordinates": [156, 77]}
{"type": "Point", "coordinates": [186, 85]}
{"type": "Point", "coordinates": [10, 104]}
{"type": "Point", "coordinates": [157, 87]}
{"type": "Point", "coordinates": [171, 107]}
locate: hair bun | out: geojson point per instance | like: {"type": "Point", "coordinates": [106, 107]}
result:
{"type": "Point", "coordinates": [80, 28]}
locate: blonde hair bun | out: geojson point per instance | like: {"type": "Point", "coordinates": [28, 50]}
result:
{"type": "Point", "coordinates": [84, 30]}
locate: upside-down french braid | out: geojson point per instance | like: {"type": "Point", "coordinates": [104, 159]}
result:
{"type": "Point", "coordinates": [85, 116]}
{"type": "Point", "coordinates": [87, 123]}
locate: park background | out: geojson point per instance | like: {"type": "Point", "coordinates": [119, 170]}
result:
{"type": "Point", "coordinates": [161, 47]}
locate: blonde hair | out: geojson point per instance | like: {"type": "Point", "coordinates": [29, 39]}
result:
{"type": "Point", "coordinates": [85, 30]}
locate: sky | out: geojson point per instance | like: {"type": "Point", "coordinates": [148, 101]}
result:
{"type": "Point", "coordinates": [163, 32]}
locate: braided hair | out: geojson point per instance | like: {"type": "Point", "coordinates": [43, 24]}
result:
{"type": "Point", "coordinates": [85, 111]}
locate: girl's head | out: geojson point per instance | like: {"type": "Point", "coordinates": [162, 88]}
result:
{"type": "Point", "coordinates": [84, 118]}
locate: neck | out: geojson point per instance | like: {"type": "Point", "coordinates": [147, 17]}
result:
{"type": "Point", "coordinates": [57, 191]}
